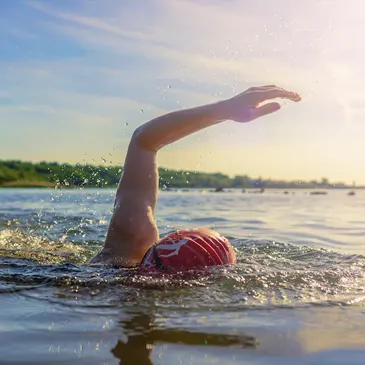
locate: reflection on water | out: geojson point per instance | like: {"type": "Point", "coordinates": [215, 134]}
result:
{"type": "Point", "coordinates": [142, 335]}
{"type": "Point", "coordinates": [56, 333]}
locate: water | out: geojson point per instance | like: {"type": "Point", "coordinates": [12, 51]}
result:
{"type": "Point", "coordinates": [295, 295]}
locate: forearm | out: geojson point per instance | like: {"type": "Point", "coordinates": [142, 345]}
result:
{"type": "Point", "coordinates": [171, 127]}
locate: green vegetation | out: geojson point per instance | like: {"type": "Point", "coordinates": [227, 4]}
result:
{"type": "Point", "coordinates": [51, 174]}
{"type": "Point", "coordinates": [16, 172]}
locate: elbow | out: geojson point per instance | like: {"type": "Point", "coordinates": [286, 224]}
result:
{"type": "Point", "coordinates": [143, 140]}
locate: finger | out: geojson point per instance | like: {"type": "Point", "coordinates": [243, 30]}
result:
{"type": "Point", "coordinates": [277, 93]}
{"type": "Point", "coordinates": [264, 110]}
{"type": "Point", "coordinates": [261, 88]}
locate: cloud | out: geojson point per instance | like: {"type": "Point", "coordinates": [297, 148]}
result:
{"type": "Point", "coordinates": [224, 43]}
{"type": "Point", "coordinates": [93, 66]}
{"type": "Point", "coordinates": [90, 22]}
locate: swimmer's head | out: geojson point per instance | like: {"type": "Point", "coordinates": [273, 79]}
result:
{"type": "Point", "coordinates": [190, 250]}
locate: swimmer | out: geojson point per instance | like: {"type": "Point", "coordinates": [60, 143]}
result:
{"type": "Point", "coordinates": [132, 238]}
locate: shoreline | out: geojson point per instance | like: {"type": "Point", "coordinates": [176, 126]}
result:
{"type": "Point", "coordinates": [28, 184]}
{"type": "Point", "coordinates": [22, 174]}
{"type": "Point", "coordinates": [48, 185]}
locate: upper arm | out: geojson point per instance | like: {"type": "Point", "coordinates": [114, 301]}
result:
{"type": "Point", "coordinates": [140, 176]}
{"type": "Point", "coordinates": [133, 221]}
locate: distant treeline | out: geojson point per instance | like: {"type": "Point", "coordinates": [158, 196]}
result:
{"type": "Point", "coordinates": [19, 173]}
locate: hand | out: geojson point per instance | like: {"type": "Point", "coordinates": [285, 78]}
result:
{"type": "Point", "coordinates": [245, 107]}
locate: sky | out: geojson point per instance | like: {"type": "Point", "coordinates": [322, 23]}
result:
{"type": "Point", "coordinates": [77, 77]}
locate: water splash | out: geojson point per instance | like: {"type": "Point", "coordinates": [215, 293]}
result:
{"type": "Point", "coordinates": [267, 274]}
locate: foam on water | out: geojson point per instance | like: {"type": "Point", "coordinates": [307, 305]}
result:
{"type": "Point", "coordinates": [267, 274]}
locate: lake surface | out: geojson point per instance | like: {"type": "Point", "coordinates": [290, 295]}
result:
{"type": "Point", "coordinates": [296, 295]}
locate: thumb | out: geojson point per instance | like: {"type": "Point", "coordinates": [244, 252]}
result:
{"type": "Point", "coordinates": [265, 109]}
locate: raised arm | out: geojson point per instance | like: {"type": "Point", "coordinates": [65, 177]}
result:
{"type": "Point", "coordinates": [132, 230]}
{"type": "Point", "coordinates": [241, 108]}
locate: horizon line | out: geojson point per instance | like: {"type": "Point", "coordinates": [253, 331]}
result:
{"type": "Point", "coordinates": [105, 164]}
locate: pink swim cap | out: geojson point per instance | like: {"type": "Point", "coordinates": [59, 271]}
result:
{"type": "Point", "coordinates": [190, 249]}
